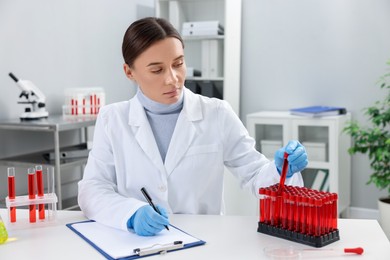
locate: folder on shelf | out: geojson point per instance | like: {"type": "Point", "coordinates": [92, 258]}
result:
{"type": "Point", "coordinates": [318, 111]}
{"type": "Point", "coordinates": [202, 28]}
{"type": "Point", "coordinates": [212, 58]}
{"type": "Point", "coordinates": [203, 25]}
{"type": "Point", "coordinates": [201, 32]}
{"type": "Point", "coordinates": [209, 89]}
{"type": "Point", "coordinates": [71, 152]}
{"type": "Point", "coordinates": [193, 86]}
{"type": "Point", "coordinates": [118, 244]}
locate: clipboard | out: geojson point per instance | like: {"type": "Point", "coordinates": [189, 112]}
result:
{"type": "Point", "coordinates": [119, 244]}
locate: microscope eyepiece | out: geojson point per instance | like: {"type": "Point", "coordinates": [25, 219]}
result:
{"type": "Point", "coordinates": [13, 77]}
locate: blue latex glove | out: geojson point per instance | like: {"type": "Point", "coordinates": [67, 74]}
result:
{"type": "Point", "coordinates": [147, 222]}
{"type": "Point", "coordinates": [297, 158]}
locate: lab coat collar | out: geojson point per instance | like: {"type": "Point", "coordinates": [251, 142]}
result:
{"type": "Point", "coordinates": [185, 130]}
{"type": "Point", "coordinates": [142, 131]}
{"type": "Point", "coordinates": [192, 107]}
{"type": "Point", "coordinates": [182, 137]}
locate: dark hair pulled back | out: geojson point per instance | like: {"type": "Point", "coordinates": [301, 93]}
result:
{"type": "Point", "coordinates": [143, 33]}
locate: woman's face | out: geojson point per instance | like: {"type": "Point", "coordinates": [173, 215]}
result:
{"type": "Point", "coordinates": [160, 71]}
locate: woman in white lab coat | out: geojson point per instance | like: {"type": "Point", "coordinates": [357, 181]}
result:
{"type": "Point", "coordinates": [171, 141]}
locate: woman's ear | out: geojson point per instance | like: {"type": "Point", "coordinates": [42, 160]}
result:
{"type": "Point", "coordinates": [128, 72]}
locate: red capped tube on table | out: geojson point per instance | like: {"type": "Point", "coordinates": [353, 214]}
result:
{"type": "Point", "coordinates": [297, 213]}
{"type": "Point", "coordinates": [317, 216]}
{"type": "Point", "coordinates": [283, 174]}
{"type": "Point", "coordinates": [31, 193]}
{"type": "Point", "coordinates": [291, 212]}
{"type": "Point", "coordinates": [262, 204]}
{"type": "Point", "coordinates": [273, 208]}
{"type": "Point", "coordinates": [335, 209]}
{"type": "Point", "coordinates": [11, 192]}
{"type": "Point", "coordinates": [303, 217]}
{"type": "Point", "coordinates": [40, 189]}
{"type": "Point", "coordinates": [285, 208]}
{"type": "Point", "coordinates": [267, 206]}
{"type": "Point", "coordinates": [310, 216]}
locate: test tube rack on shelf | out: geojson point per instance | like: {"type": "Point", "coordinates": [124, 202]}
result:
{"type": "Point", "coordinates": [299, 214]}
{"type": "Point", "coordinates": [83, 102]}
{"type": "Point", "coordinates": [36, 200]}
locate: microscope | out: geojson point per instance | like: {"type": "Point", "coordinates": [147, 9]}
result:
{"type": "Point", "coordinates": [34, 97]}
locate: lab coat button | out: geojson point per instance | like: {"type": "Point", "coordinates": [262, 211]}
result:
{"type": "Point", "coordinates": [162, 188]}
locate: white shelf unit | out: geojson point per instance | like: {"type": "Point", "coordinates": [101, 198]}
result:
{"type": "Point", "coordinates": [282, 126]}
{"type": "Point", "coordinates": [228, 13]}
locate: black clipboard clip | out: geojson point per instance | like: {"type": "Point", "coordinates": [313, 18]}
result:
{"type": "Point", "coordinates": [158, 248]}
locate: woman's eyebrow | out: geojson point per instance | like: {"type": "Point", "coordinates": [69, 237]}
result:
{"type": "Point", "coordinates": [178, 58]}
{"type": "Point", "coordinates": [159, 63]}
{"type": "Point", "coordinates": [153, 64]}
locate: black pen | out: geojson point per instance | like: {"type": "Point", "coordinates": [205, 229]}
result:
{"type": "Point", "coordinates": [149, 199]}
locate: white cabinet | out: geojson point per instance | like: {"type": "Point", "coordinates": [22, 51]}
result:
{"type": "Point", "coordinates": [216, 56]}
{"type": "Point", "coordinates": [327, 146]}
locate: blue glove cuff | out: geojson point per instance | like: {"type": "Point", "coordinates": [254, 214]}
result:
{"type": "Point", "coordinates": [130, 222]}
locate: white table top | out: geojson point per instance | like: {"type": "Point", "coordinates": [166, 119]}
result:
{"type": "Point", "coordinates": [227, 237]}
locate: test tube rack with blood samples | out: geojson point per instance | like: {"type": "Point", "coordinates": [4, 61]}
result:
{"type": "Point", "coordinates": [83, 102]}
{"type": "Point", "coordinates": [299, 214]}
{"type": "Point", "coordinates": [35, 187]}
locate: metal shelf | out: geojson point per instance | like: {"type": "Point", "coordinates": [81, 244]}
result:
{"type": "Point", "coordinates": [70, 204]}
{"type": "Point", "coordinates": [27, 160]}
{"type": "Point", "coordinates": [54, 124]}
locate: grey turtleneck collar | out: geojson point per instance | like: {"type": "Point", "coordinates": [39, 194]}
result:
{"type": "Point", "coordinates": [162, 119]}
{"type": "Point", "coordinates": [159, 108]}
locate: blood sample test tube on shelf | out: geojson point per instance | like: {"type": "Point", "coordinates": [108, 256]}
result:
{"type": "Point", "coordinates": [31, 193]}
{"type": "Point", "coordinates": [11, 192]}
{"type": "Point", "coordinates": [94, 104]}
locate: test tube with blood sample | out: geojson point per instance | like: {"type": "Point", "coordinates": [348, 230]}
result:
{"type": "Point", "coordinates": [262, 204]}
{"type": "Point", "coordinates": [39, 174]}
{"type": "Point", "coordinates": [11, 192]}
{"type": "Point", "coordinates": [31, 193]}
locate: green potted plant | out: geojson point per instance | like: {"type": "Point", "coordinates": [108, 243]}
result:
{"type": "Point", "coordinates": [374, 140]}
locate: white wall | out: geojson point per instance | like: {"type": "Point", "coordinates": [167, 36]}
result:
{"type": "Point", "coordinates": [57, 45]}
{"type": "Point", "coordinates": [316, 52]}
{"type": "Point", "coordinates": [294, 53]}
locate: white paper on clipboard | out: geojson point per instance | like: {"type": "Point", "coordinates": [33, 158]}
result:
{"type": "Point", "coordinates": [117, 243]}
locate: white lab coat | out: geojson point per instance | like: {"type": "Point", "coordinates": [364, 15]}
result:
{"type": "Point", "coordinates": [125, 157]}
